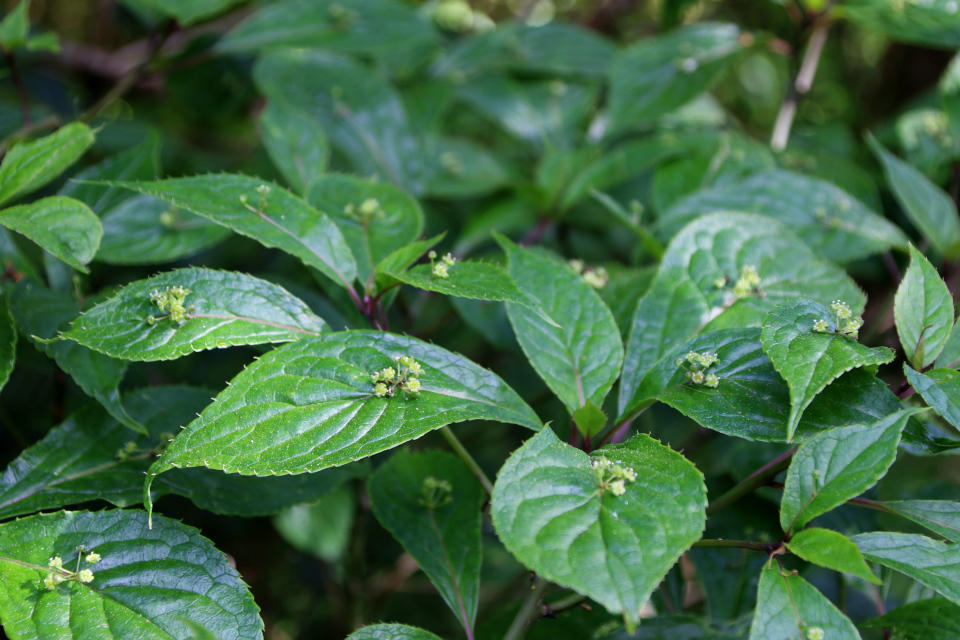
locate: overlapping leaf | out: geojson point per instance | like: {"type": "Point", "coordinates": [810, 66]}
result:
{"type": "Point", "coordinates": [832, 550]}
{"type": "Point", "coordinates": [939, 516]}
{"type": "Point", "coordinates": [923, 311]}
{"type": "Point", "coordinates": [931, 22]}
{"type": "Point", "coordinates": [391, 632]}
{"type": "Point", "coordinates": [8, 341]}
{"type": "Point", "coordinates": [30, 165]}
{"type": "Point", "coordinates": [65, 227]}
{"type": "Point", "coordinates": [296, 143]}
{"type": "Point", "coordinates": [185, 11]}
{"type": "Point", "coordinates": [934, 619]}
{"type": "Point", "coordinates": [935, 564]}
{"type": "Point", "coordinates": [940, 388]}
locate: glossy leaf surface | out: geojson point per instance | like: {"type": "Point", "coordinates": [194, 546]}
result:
{"type": "Point", "coordinates": [391, 632]}
{"type": "Point", "coordinates": [923, 310]}
{"type": "Point", "coordinates": [935, 564]}
{"type": "Point", "coordinates": [65, 227]}
{"type": "Point", "coordinates": [30, 165]}
{"type": "Point", "coordinates": [941, 390]}
{"type": "Point", "coordinates": [940, 516]}
{"type": "Point", "coordinates": [832, 550]}
{"type": "Point", "coordinates": [934, 619]}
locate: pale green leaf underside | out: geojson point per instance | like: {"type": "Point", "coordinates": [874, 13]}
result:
{"type": "Point", "coordinates": [788, 606]}
{"type": "Point", "coordinates": [939, 516]}
{"type": "Point", "coordinates": [550, 512]}
{"type": "Point", "coordinates": [941, 390]}
{"type": "Point", "coordinates": [923, 311]}
{"type": "Point", "coordinates": [809, 360]}
{"type": "Point", "coordinates": [65, 227]}
{"type": "Point", "coordinates": [935, 564]}
{"type": "Point", "coordinates": [831, 550]}
{"type": "Point", "coordinates": [149, 583]}
{"type": "Point", "coordinates": [30, 165]}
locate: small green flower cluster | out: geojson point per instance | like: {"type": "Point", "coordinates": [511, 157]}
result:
{"type": "Point", "coordinates": [699, 363]}
{"type": "Point", "coordinates": [367, 211]}
{"type": "Point", "coordinates": [747, 284]}
{"type": "Point", "coordinates": [441, 269]}
{"type": "Point", "coordinates": [170, 301]}
{"type": "Point", "coordinates": [131, 450]}
{"type": "Point", "coordinates": [404, 377]}
{"type": "Point", "coordinates": [815, 633]}
{"type": "Point", "coordinates": [59, 574]}
{"type": "Point", "coordinates": [262, 191]}
{"type": "Point", "coordinates": [612, 476]}
{"type": "Point", "coordinates": [847, 324]}
{"type": "Point", "coordinates": [596, 277]}
{"type": "Point", "coordinates": [435, 493]}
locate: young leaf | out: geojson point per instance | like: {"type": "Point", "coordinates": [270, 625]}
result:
{"type": "Point", "coordinates": [15, 27]}
{"type": "Point", "coordinates": [272, 216]}
{"type": "Point", "coordinates": [8, 341]}
{"type": "Point", "coordinates": [935, 564]}
{"type": "Point", "coordinates": [939, 516]}
{"type": "Point", "coordinates": [789, 607]}
{"type": "Point", "coordinates": [147, 584]}
{"type": "Point", "coordinates": [296, 143]}
{"type": "Point", "coordinates": [839, 464]}
{"type": "Point", "coordinates": [931, 210]}
{"type": "Point", "coordinates": [940, 388]}
{"type": "Point", "coordinates": [831, 550]}
{"type": "Point", "coordinates": [695, 289]}
{"type": "Point", "coordinates": [809, 359]}
{"type": "Point", "coordinates": [30, 165]}
{"type": "Point", "coordinates": [589, 419]}
{"type": "Point", "coordinates": [563, 518]}
{"type": "Point", "coordinates": [933, 619]}
{"type": "Point", "coordinates": [431, 503]}
{"type": "Point", "coordinates": [375, 218]}
{"type": "Point", "coordinates": [310, 405]}
{"type": "Point", "coordinates": [923, 310]}
{"type": "Point", "coordinates": [65, 227]}
{"type": "Point", "coordinates": [580, 355]}
{"type": "Point", "coordinates": [391, 632]}
{"type": "Point", "coordinates": [220, 309]}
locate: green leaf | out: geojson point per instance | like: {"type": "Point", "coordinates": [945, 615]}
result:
{"type": "Point", "coordinates": [310, 405]}
{"type": "Point", "coordinates": [934, 23]}
{"type": "Point", "coordinates": [934, 619]}
{"type": "Point", "coordinates": [477, 280]}
{"type": "Point", "coordinates": [431, 504]}
{"type": "Point", "coordinates": [296, 143]}
{"type": "Point", "coordinates": [15, 27]}
{"type": "Point", "coordinates": [839, 464]}
{"type": "Point", "coordinates": [65, 227]}
{"type": "Point", "coordinates": [684, 299]}
{"type": "Point", "coordinates": [149, 583]}
{"type": "Point", "coordinates": [831, 550]}
{"type": "Point", "coordinates": [939, 516]}
{"type": "Point", "coordinates": [400, 259]}
{"type": "Point", "coordinates": [359, 109]}
{"type": "Point", "coordinates": [824, 216]}
{"type": "Point", "coordinates": [8, 341]}
{"type": "Point", "coordinates": [930, 210]}
{"type": "Point", "coordinates": [30, 165]}
{"type": "Point", "coordinates": [281, 220]}
{"type": "Point", "coordinates": [186, 12]}
{"type": "Point", "coordinates": [374, 218]}
{"type": "Point", "coordinates": [923, 310]}
{"type": "Point", "coordinates": [935, 564]}
{"type": "Point", "coordinates": [458, 168]}
{"type": "Point", "coordinates": [225, 309]}
{"type": "Point", "coordinates": [140, 162]}
{"type": "Point", "coordinates": [590, 420]}
{"type": "Point", "coordinates": [940, 388]}
{"type": "Point", "coordinates": [323, 528]}
{"type": "Point", "coordinates": [551, 512]}
{"type": "Point", "coordinates": [43, 313]}
{"type": "Point", "coordinates": [579, 360]}
{"type": "Point", "coordinates": [789, 607]}
{"type": "Point", "coordinates": [391, 632]}
{"type": "Point", "coordinates": [46, 42]}
{"type": "Point", "coordinates": [657, 75]}
{"type": "Point", "coordinates": [809, 360]}
{"type": "Point", "coordinates": [950, 355]}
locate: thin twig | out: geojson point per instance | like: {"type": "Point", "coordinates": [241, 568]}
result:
{"type": "Point", "coordinates": [464, 455]}
{"type": "Point", "coordinates": [760, 478]}
{"type": "Point", "coordinates": [528, 612]}
{"type": "Point", "coordinates": [569, 602]}
{"type": "Point", "coordinates": [800, 86]}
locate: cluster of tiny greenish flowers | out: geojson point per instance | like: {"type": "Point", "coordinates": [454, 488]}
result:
{"type": "Point", "coordinates": [367, 211]}
{"type": "Point", "coordinates": [815, 633]}
{"type": "Point", "coordinates": [262, 191]}
{"type": "Point", "coordinates": [435, 493]}
{"type": "Point", "coordinates": [405, 377]}
{"type": "Point", "coordinates": [696, 365]}
{"type": "Point", "coordinates": [441, 268]}
{"type": "Point", "coordinates": [451, 164]}
{"type": "Point", "coordinates": [846, 324]}
{"type": "Point", "coordinates": [612, 476]}
{"type": "Point", "coordinates": [747, 284]}
{"type": "Point", "coordinates": [171, 301]}
{"type": "Point", "coordinates": [596, 277]}
{"type": "Point", "coordinates": [59, 574]}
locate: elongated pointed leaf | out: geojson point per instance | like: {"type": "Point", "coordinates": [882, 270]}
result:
{"type": "Point", "coordinates": [580, 360]}
{"type": "Point", "coordinates": [553, 514]}
{"type": "Point", "coordinates": [8, 341]}
{"type": "Point", "coordinates": [148, 584]}
{"type": "Point", "coordinates": [391, 632]}
{"type": "Point", "coordinates": [923, 310]}
{"type": "Point", "coordinates": [935, 564]}
{"type": "Point", "coordinates": [400, 259]}
{"type": "Point", "coordinates": [686, 299]}
{"type": "Point", "coordinates": [831, 550]}
{"type": "Point", "coordinates": [939, 516]}
{"type": "Point", "coordinates": [929, 208]}
{"type": "Point", "coordinates": [789, 607]}
{"type": "Point", "coordinates": [284, 221]}
{"type": "Point", "coordinates": [809, 360]}
{"type": "Point", "coordinates": [30, 165]}
{"type": "Point", "coordinates": [442, 530]}
{"type": "Point", "coordinates": [940, 388]}
{"type": "Point", "coordinates": [934, 619]}
{"type": "Point", "coordinates": [225, 309]}
{"type": "Point", "coordinates": [296, 143]}
{"type": "Point", "coordinates": [65, 227]}
{"type": "Point", "coordinates": [837, 465]}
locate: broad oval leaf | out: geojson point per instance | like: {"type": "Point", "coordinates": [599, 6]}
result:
{"type": "Point", "coordinates": [940, 388]}
{"type": "Point", "coordinates": [391, 632]}
{"type": "Point", "coordinates": [831, 550]}
{"type": "Point", "coordinates": [581, 359]}
{"type": "Point", "coordinates": [809, 360]}
{"type": "Point", "coordinates": [939, 516]}
{"type": "Point", "coordinates": [685, 297]}
{"type": "Point", "coordinates": [431, 504]}
{"type": "Point", "coordinates": [65, 227]}
{"type": "Point", "coordinates": [278, 219]}
{"type": "Point", "coordinates": [30, 165]}
{"type": "Point", "coordinates": [839, 464]}
{"type": "Point", "coordinates": [149, 583]}
{"type": "Point", "coordinates": [789, 607]}
{"type": "Point", "coordinates": [310, 405]}
{"type": "Point", "coordinates": [824, 216]}
{"type": "Point", "coordinates": [933, 619]}
{"type": "Point", "coordinates": [223, 308]}
{"type": "Point", "coordinates": [295, 142]}
{"type": "Point", "coordinates": [923, 311]}
{"type": "Point", "coordinates": [552, 513]}
{"type": "Point", "coordinates": [935, 564]}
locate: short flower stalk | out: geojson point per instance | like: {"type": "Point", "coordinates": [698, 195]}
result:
{"type": "Point", "coordinates": [59, 574]}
